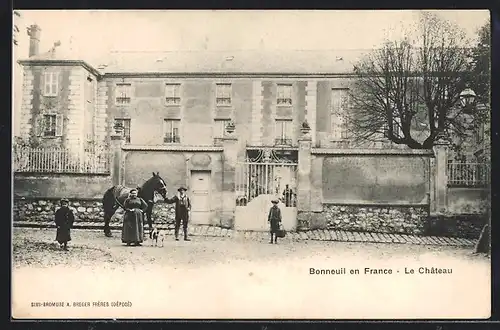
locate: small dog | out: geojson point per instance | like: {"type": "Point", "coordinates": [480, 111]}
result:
{"type": "Point", "coordinates": [155, 236]}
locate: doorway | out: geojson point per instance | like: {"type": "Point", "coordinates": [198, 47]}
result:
{"type": "Point", "coordinates": [200, 197]}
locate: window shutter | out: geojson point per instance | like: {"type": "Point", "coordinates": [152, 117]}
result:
{"type": "Point", "coordinates": [46, 85]}
{"type": "Point", "coordinates": [130, 124]}
{"type": "Point", "coordinates": [335, 126]}
{"type": "Point", "coordinates": [39, 125]}
{"type": "Point", "coordinates": [55, 81]}
{"type": "Point", "coordinates": [59, 125]}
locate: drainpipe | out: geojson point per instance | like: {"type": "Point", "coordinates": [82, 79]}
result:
{"type": "Point", "coordinates": [223, 161]}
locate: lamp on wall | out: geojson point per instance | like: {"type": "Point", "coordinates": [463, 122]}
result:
{"type": "Point", "coordinates": [305, 128]}
{"type": "Point", "coordinates": [118, 127]}
{"type": "Point", "coordinates": [230, 127]}
{"type": "Point", "coordinates": [468, 98]}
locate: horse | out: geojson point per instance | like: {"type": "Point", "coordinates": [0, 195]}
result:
{"type": "Point", "coordinates": [115, 196]}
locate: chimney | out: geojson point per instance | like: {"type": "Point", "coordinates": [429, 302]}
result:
{"type": "Point", "coordinates": [34, 34]}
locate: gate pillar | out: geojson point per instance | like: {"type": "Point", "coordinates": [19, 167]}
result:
{"type": "Point", "coordinates": [439, 183]}
{"type": "Point", "coordinates": [229, 161]}
{"type": "Point", "coordinates": [117, 142]}
{"type": "Point", "coordinates": [303, 174]}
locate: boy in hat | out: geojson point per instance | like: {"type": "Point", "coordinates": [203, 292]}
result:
{"type": "Point", "coordinates": [274, 219]}
{"type": "Point", "coordinates": [182, 208]}
{"type": "Point", "coordinates": [64, 219]}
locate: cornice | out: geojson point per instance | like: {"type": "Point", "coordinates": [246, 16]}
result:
{"type": "Point", "coordinates": [172, 148]}
{"type": "Point", "coordinates": [225, 75]}
{"type": "Point", "coordinates": [362, 152]}
{"type": "Point", "coordinates": [61, 63]}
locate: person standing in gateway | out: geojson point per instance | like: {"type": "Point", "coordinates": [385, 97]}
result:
{"type": "Point", "coordinates": [182, 209]}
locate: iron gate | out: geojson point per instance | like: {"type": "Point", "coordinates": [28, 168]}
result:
{"type": "Point", "coordinates": [269, 172]}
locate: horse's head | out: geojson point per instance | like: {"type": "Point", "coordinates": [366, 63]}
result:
{"type": "Point", "coordinates": [158, 185]}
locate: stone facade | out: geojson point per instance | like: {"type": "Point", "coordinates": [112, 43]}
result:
{"type": "Point", "coordinates": [27, 98]}
{"type": "Point", "coordinates": [329, 179]}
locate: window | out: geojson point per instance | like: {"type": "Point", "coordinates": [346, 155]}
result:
{"type": "Point", "coordinates": [396, 128]}
{"type": "Point", "coordinates": [126, 128]}
{"type": "Point", "coordinates": [284, 95]}
{"type": "Point", "coordinates": [479, 133]}
{"type": "Point", "coordinates": [220, 127]}
{"type": "Point", "coordinates": [283, 132]}
{"type": "Point", "coordinates": [51, 83]}
{"type": "Point", "coordinates": [223, 94]}
{"type": "Point", "coordinates": [123, 93]}
{"type": "Point", "coordinates": [51, 125]}
{"type": "Point", "coordinates": [339, 102]}
{"type": "Point", "coordinates": [344, 130]}
{"type": "Point", "coordinates": [173, 94]}
{"type": "Point", "coordinates": [171, 129]}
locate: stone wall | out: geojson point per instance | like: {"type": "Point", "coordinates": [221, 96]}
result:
{"type": "Point", "coordinates": [58, 185]}
{"type": "Point", "coordinates": [468, 226]}
{"type": "Point", "coordinates": [467, 200]}
{"type": "Point", "coordinates": [411, 220]}
{"type": "Point", "coordinates": [42, 210]}
{"type": "Point", "coordinates": [379, 219]}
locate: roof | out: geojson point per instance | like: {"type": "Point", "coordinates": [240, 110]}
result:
{"type": "Point", "coordinates": [60, 56]}
{"type": "Point", "coordinates": [238, 61]}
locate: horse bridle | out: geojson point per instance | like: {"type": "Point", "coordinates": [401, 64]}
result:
{"type": "Point", "coordinates": [163, 188]}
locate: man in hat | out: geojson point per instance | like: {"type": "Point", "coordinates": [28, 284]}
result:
{"type": "Point", "coordinates": [182, 208]}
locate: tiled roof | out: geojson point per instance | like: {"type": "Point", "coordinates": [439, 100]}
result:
{"type": "Point", "coordinates": [248, 61]}
{"type": "Point", "coordinates": [239, 61]}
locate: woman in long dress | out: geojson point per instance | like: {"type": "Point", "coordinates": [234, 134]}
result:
{"type": "Point", "coordinates": [133, 226]}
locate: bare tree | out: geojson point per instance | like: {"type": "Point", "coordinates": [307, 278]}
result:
{"type": "Point", "coordinates": [15, 28]}
{"type": "Point", "coordinates": [411, 83]}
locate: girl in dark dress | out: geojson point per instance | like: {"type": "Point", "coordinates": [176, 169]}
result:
{"type": "Point", "coordinates": [133, 226]}
{"type": "Point", "coordinates": [274, 219]}
{"type": "Point", "coordinates": [64, 219]}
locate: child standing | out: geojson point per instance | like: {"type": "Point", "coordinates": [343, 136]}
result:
{"type": "Point", "coordinates": [274, 219]}
{"type": "Point", "coordinates": [64, 219]}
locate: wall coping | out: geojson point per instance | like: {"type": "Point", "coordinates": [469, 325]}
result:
{"type": "Point", "coordinates": [361, 204]}
{"type": "Point", "coordinates": [52, 174]}
{"type": "Point", "coordinates": [32, 199]}
{"type": "Point", "coordinates": [287, 148]}
{"type": "Point", "coordinates": [172, 148]}
{"type": "Point", "coordinates": [406, 152]}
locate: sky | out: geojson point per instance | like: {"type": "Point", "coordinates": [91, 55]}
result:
{"type": "Point", "coordinates": [91, 35]}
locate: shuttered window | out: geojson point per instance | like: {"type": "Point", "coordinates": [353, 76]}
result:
{"type": "Point", "coordinates": [223, 94]}
{"type": "Point", "coordinates": [284, 95]}
{"type": "Point", "coordinates": [339, 106]}
{"type": "Point", "coordinates": [51, 83]}
{"type": "Point", "coordinates": [126, 127]}
{"type": "Point", "coordinates": [50, 125]}
{"type": "Point", "coordinates": [123, 94]}
{"type": "Point", "coordinates": [171, 128]}
{"type": "Point", "coordinates": [173, 94]}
